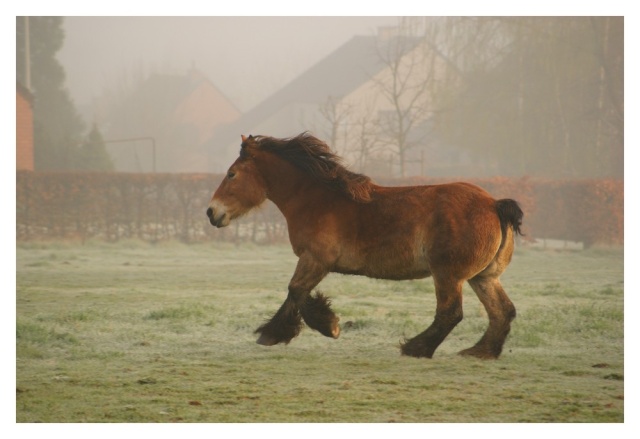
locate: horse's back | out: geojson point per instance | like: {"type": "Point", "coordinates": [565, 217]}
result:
{"type": "Point", "coordinates": [456, 205]}
{"type": "Point", "coordinates": [408, 232]}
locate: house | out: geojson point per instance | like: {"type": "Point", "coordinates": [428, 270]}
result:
{"type": "Point", "coordinates": [296, 107]}
{"type": "Point", "coordinates": [347, 100]}
{"type": "Point", "coordinates": [24, 128]}
{"type": "Point", "coordinates": [175, 113]}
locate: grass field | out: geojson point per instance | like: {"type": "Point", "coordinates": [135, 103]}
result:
{"type": "Point", "coordinates": [131, 332]}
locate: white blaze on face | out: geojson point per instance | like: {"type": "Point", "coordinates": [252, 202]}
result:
{"type": "Point", "coordinates": [218, 215]}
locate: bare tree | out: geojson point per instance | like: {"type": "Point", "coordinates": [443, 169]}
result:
{"type": "Point", "coordinates": [368, 140]}
{"type": "Point", "coordinates": [351, 129]}
{"type": "Point", "coordinates": [336, 114]}
{"type": "Point", "coordinates": [409, 84]}
{"type": "Point", "coordinates": [538, 95]}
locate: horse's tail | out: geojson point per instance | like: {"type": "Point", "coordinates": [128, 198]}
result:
{"type": "Point", "coordinates": [509, 213]}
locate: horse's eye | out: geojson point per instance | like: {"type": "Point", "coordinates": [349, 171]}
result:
{"type": "Point", "coordinates": [230, 175]}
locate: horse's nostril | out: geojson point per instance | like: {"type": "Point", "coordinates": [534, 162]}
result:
{"type": "Point", "coordinates": [209, 212]}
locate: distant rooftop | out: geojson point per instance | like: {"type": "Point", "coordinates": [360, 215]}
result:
{"type": "Point", "coordinates": [337, 75]}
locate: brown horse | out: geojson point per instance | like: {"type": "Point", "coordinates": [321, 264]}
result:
{"type": "Point", "coordinates": [342, 222]}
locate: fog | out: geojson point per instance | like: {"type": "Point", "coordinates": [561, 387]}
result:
{"type": "Point", "coordinates": [395, 96]}
{"type": "Point", "coordinates": [248, 58]}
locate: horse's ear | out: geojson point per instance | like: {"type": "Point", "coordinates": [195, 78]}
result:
{"type": "Point", "coordinates": [245, 139]}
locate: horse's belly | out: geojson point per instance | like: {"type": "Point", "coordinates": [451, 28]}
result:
{"type": "Point", "coordinates": [386, 266]}
{"type": "Point", "coordinates": [397, 272]}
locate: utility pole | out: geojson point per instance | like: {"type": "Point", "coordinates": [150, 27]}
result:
{"type": "Point", "coordinates": [27, 54]}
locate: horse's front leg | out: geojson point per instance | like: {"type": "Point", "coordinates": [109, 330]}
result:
{"type": "Point", "coordinates": [287, 322]}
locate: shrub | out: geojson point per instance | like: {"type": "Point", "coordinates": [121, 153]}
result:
{"type": "Point", "coordinates": [156, 207]}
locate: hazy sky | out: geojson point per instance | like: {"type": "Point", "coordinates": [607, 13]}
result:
{"type": "Point", "coordinates": [248, 58]}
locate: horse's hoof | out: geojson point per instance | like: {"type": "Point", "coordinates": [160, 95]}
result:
{"type": "Point", "coordinates": [265, 340]}
{"type": "Point", "coordinates": [335, 332]}
{"type": "Point", "coordinates": [416, 348]}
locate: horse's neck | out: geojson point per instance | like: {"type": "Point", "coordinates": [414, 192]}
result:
{"type": "Point", "coordinates": [289, 188]}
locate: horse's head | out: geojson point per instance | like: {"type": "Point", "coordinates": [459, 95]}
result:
{"type": "Point", "coordinates": [241, 190]}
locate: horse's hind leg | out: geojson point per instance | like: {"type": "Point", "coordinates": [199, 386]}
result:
{"type": "Point", "coordinates": [501, 312]}
{"type": "Point", "coordinates": [448, 315]}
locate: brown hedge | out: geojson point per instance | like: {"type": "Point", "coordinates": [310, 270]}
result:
{"type": "Point", "coordinates": [155, 207]}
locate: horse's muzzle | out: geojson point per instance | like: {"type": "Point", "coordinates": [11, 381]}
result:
{"type": "Point", "coordinates": [217, 217]}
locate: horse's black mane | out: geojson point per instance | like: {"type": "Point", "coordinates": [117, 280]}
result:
{"type": "Point", "coordinates": [314, 156]}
